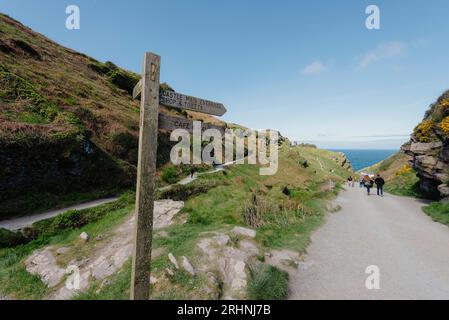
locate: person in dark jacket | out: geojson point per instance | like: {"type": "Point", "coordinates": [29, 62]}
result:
{"type": "Point", "coordinates": [192, 172]}
{"type": "Point", "coordinates": [380, 182]}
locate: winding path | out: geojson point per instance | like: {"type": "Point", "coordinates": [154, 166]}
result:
{"type": "Point", "coordinates": [27, 220]}
{"type": "Point", "coordinates": [411, 251]}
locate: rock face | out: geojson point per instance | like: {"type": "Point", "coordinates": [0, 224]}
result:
{"type": "Point", "coordinates": [227, 264]}
{"type": "Point", "coordinates": [44, 264]}
{"type": "Point", "coordinates": [429, 149]}
{"type": "Point", "coordinates": [108, 257]}
{"type": "Point", "coordinates": [343, 161]}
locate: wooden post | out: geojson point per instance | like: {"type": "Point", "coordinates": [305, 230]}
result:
{"type": "Point", "coordinates": [143, 231]}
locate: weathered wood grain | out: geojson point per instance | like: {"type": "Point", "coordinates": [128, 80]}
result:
{"type": "Point", "coordinates": [143, 232]}
{"type": "Point", "coordinates": [137, 89]}
{"type": "Point", "coordinates": [181, 101]}
{"type": "Point", "coordinates": [171, 123]}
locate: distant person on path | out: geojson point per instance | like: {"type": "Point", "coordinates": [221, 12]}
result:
{"type": "Point", "coordinates": [368, 182]}
{"type": "Point", "coordinates": [361, 182]}
{"type": "Point", "coordinates": [350, 181]}
{"type": "Point", "coordinates": [380, 182]}
{"type": "Point", "coordinates": [192, 172]}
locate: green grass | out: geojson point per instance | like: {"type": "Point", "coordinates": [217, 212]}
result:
{"type": "Point", "coordinates": [117, 289]}
{"type": "Point", "coordinates": [438, 211]}
{"type": "Point", "coordinates": [267, 283]}
{"type": "Point", "coordinates": [406, 184]}
{"type": "Point", "coordinates": [36, 202]}
{"type": "Point", "coordinates": [19, 284]}
{"type": "Point", "coordinates": [219, 206]}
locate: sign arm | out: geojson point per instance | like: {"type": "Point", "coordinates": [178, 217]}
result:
{"type": "Point", "coordinates": [137, 89]}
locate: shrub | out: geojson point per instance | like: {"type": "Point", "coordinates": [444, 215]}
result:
{"type": "Point", "coordinates": [102, 68]}
{"type": "Point", "coordinates": [99, 68]}
{"type": "Point", "coordinates": [10, 239]}
{"type": "Point", "coordinates": [123, 80]}
{"type": "Point", "coordinates": [255, 211]}
{"type": "Point", "coordinates": [444, 126]}
{"type": "Point", "coordinates": [183, 192]}
{"type": "Point", "coordinates": [170, 175]}
{"type": "Point", "coordinates": [261, 211]}
{"type": "Point", "coordinates": [267, 283]}
{"type": "Point", "coordinates": [424, 131]}
{"type": "Point", "coordinates": [75, 219]}
{"type": "Point", "coordinates": [406, 168]}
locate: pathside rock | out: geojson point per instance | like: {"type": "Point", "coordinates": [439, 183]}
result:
{"type": "Point", "coordinates": [244, 232]}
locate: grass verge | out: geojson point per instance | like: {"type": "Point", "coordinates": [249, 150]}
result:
{"type": "Point", "coordinates": [267, 283]}
{"type": "Point", "coordinates": [438, 211]}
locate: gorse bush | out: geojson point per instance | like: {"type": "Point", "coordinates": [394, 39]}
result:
{"type": "Point", "coordinates": [444, 126]}
{"type": "Point", "coordinates": [424, 131]}
{"type": "Point", "coordinates": [406, 168]}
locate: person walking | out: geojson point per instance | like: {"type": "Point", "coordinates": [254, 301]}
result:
{"type": "Point", "coordinates": [368, 182]}
{"type": "Point", "coordinates": [350, 182]}
{"type": "Point", "coordinates": [380, 182]}
{"type": "Point", "coordinates": [192, 172]}
{"type": "Point", "coordinates": [361, 182]}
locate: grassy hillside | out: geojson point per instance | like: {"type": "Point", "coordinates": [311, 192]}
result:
{"type": "Point", "coordinates": [68, 124]}
{"type": "Point", "coordinates": [399, 176]}
{"type": "Point", "coordinates": [289, 206]}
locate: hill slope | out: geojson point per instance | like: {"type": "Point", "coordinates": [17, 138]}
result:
{"type": "Point", "coordinates": [400, 177]}
{"type": "Point", "coordinates": [68, 124]}
{"type": "Point", "coordinates": [282, 210]}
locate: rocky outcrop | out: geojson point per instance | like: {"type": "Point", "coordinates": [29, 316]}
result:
{"type": "Point", "coordinates": [429, 149]}
{"type": "Point", "coordinates": [228, 263]}
{"type": "Point", "coordinates": [107, 257]}
{"type": "Point", "coordinates": [343, 161]}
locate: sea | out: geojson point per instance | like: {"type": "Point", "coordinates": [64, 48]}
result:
{"type": "Point", "coordinates": [364, 158]}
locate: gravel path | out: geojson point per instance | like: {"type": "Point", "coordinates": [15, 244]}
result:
{"type": "Point", "coordinates": [411, 251]}
{"type": "Point", "coordinates": [25, 221]}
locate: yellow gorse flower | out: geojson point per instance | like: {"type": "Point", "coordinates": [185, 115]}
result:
{"type": "Point", "coordinates": [444, 126]}
{"type": "Point", "coordinates": [404, 170]}
{"type": "Point", "coordinates": [423, 131]}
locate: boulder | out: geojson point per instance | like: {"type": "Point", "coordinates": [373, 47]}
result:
{"type": "Point", "coordinates": [169, 272]}
{"type": "Point", "coordinates": [172, 259]}
{"type": "Point", "coordinates": [444, 190]}
{"type": "Point", "coordinates": [43, 264]}
{"type": "Point", "coordinates": [62, 251]}
{"type": "Point", "coordinates": [84, 236]}
{"type": "Point", "coordinates": [244, 232]}
{"type": "Point", "coordinates": [419, 148]}
{"type": "Point", "coordinates": [228, 262]}
{"type": "Point", "coordinates": [187, 266]}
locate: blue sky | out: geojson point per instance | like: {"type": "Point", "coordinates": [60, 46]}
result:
{"type": "Point", "coordinates": [308, 68]}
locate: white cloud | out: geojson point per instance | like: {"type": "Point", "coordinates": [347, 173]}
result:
{"type": "Point", "coordinates": [383, 51]}
{"type": "Point", "coordinates": [315, 67]}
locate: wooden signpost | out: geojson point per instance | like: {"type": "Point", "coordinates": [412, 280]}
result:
{"type": "Point", "coordinates": [177, 100]}
{"type": "Point", "coordinates": [150, 121]}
